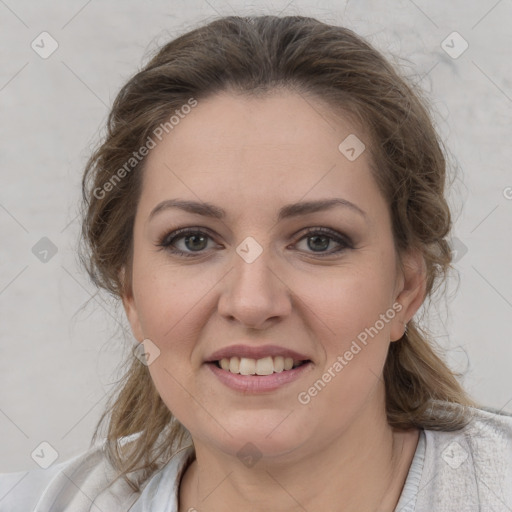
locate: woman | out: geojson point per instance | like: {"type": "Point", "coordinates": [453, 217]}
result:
{"type": "Point", "coordinates": [269, 206]}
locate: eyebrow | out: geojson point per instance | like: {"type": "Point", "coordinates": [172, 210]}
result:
{"type": "Point", "coordinates": [286, 212]}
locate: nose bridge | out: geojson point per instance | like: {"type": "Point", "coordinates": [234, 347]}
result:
{"type": "Point", "coordinates": [253, 291]}
{"type": "Point", "coordinates": [253, 265]}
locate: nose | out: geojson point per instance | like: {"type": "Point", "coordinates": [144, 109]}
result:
{"type": "Point", "coordinates": [254, 293]}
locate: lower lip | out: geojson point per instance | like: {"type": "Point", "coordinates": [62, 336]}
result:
{"type": "Point", "coordinates": [258, 383]}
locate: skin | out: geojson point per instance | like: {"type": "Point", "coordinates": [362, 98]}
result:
{"type": "Point", "coordinates": [251, 156]}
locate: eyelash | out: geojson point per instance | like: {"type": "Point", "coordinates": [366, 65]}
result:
{"type": "Point", "coordinates": [168, 239]}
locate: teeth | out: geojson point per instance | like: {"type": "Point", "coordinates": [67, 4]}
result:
{"type": "Point", "coordinates": [247, 366]}
{"type": "Point", "coordinates": [279, 363]}
{"type": "Point", "coordinates": [265, 366]}
{"type": "Point", "coordinates": [234, 364]}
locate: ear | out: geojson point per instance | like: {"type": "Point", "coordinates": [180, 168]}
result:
{"type": "Point", "coordinates": [130, 308]}
{"type": "Point", "coordinates": [411, 287]}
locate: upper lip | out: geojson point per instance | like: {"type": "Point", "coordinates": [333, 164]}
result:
{"type": "Point", "coordinates": [252, 352]}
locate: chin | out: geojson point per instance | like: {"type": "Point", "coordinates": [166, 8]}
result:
{"type": "Point", "coordinates": [269, 438]}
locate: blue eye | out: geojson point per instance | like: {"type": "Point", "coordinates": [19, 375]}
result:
{"type": "Point", "coordinates": [196, 241]}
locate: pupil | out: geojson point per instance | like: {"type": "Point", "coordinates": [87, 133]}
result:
{"type": "Point", "coordinates": [194, 237]}
{"type": "Point", "coordinates": [322, 237]}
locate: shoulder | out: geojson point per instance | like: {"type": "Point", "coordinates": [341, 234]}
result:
{"type": "Point", "coordinates": [471, 466]}
{"type": "Point", "coordinates": [490, 425]}
{"type": "Point", "coordinates": [88, 483]}
{"type": "Point", "coordinates": [487, 434]}
{"type": "Point", "coordinates": [73, 485]}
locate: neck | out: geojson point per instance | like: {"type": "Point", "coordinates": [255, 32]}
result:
{"type": "Point", "coordinates": [364, 468]}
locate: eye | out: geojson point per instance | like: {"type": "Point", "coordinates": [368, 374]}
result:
{"type": "Point", "coordinates": [319, 239]}
{"type": "Point", "coordinates": [195, 241]}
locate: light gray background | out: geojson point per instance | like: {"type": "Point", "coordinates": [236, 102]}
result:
{"type": "Point", "coordinates": [57, 365]}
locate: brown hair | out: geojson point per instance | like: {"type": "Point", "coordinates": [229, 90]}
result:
{"type": "Point", "coordinates": [255, 55]}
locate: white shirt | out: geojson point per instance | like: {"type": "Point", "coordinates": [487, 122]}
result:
{"type": "Point", "coordinates": [468, 470]}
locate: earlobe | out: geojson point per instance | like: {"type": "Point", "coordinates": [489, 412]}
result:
{"type": "Point", "coordinates": [412, 293]}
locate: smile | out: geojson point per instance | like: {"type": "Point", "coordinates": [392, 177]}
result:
{"type": "Point", "coordinates": [254, 383]}
{"type": "Point", "coordinates": [265, 366]}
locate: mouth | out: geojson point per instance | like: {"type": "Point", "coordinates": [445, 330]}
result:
{"type": "Point", "coordinates": [257, 376]}
{"type": "Point", "coordinates": [258, 367]}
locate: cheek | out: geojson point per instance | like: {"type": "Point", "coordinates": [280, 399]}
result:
{"type": "Point", "coordinates": [173, 305]}
{"type": "Point", "coordinates": [174, 383]}
{"type": "Point", "coordinates": [167, 295]}
{"type": "Point", "coordinates": [348, 300]}
{"type": "Point", "coordinates": [352, 318]}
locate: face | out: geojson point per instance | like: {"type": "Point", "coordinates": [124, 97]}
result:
{"type": "Point", "coordinates": [268, 278]}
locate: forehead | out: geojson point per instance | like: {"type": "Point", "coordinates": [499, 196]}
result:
{"type": "Point", "coordinates": [280, 147]}
{"type": "Point", "coordinates": [241, 123]}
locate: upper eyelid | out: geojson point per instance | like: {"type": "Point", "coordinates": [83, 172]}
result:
{"type": "Point", "coordinates": [196, 229]}
{"type": "Point", "coordinates": [180, 233]}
